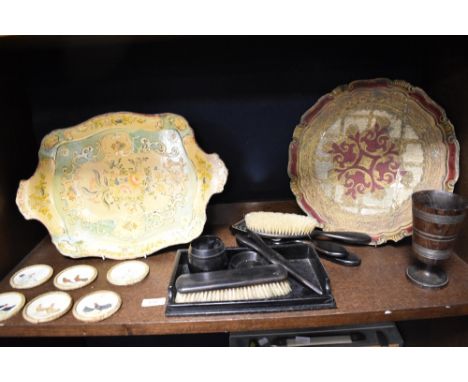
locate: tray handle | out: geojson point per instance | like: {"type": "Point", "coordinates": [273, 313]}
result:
{"type": "Point", "coordinates": [35, 200]}
{"type": "Point", "coordinates": [219, 173]}
{"type": "Point", "coordinates": [210, 169]}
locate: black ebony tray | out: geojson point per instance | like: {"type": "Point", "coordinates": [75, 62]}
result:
{"type": "Point", "coordinates": [301, 257]}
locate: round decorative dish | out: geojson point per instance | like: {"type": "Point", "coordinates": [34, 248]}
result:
{"type": "Point", "coordinates": [76, 276]}
{"type": "Point", "coordinates": [363, 149]}
{"type": "Point", "coordinates": [31, 276]}
{"type": "Point", "coordinates": [10, 304]}
{"type": "Point", "coordinates": [128, 272]}
{"type": "Point", "coordinates": [47, 307]}
{"type": "Point", "coordinates": [97, 306]}
{"type": "Point", "coordinates": [122, 185]}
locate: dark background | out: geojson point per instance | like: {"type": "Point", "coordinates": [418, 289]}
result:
{"type": "Point", "coordinates": [243, 96]}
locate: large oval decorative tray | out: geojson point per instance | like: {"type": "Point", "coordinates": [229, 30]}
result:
{"type": "Point", "coordinates": [361, 151]}
{"type": "Point", "coordinates": [122, 185]}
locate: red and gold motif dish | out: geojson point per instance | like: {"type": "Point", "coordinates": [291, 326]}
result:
{"type": "Point", "coordinates": [361, 151]}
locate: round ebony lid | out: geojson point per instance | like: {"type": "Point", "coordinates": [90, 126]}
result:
{"type": "Point", "coordinates": [206, 246]}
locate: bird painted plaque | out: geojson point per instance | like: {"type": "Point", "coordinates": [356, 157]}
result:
{"type": "Point", "coordinates": [122, 185]}
{"type": "Point", "coordinates": [10, 304]}
{"type": "Point", "coordinates": [31, 276]}
{"type": "Point", "coordinates": [75, 277]}
{"type": "Point", "coordinates": [97, 306]}
{"type": "Point", "coordinates": [361, 151]}
{"type": "Point", "coordinates": [47, 307]}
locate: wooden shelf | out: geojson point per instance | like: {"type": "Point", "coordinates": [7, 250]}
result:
{"type": "Point", "coordinates": [376, 291]}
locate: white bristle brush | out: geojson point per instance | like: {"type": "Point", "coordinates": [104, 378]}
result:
{"type": "Point", "coordinates": [252, 292]}
{"type": "Point", "coordinates": [293, 226]}
{"type": "Point", "coordinates": [279, 223]}
{"type": "Point", "coordinates": [255, 283]}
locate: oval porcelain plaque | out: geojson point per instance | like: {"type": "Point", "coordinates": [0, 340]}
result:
{"type": "Point", "coordinates": [128, 272]}
{"type": "Point", "coordinates": [10, 304]}
{"type": "Point", "coordinates": [97, 306]}
{"type": "Point", "coordinates": [47, 307]}
{"type": "Point", "coordinates": [31, 276]}
{"type": "Point", "coordinates": [76, 276]}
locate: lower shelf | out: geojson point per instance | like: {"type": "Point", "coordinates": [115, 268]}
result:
{"type": "Point", "coordinates": [384, 334]}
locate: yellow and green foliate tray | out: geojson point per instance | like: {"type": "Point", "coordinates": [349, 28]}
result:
{"type": "Point", "coordinates": [122, 185]}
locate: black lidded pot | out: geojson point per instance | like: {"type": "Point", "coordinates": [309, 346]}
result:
{"type": "Point", "coordinates": [206, 254]}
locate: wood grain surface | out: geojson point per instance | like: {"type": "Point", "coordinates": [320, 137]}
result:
{"type": "Point", "coordinates": [376, 291]}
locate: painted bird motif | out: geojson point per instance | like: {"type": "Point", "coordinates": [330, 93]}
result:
{"type": "Point", "coordinates": [6, 308]}
{"type": "Point", "coordinates": [87, 309]}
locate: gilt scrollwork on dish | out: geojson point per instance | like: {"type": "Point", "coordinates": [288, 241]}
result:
{"type": "Point", "coordinates": [122, 185]}
{"type": "Point", "coordinates": [361, 151]}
